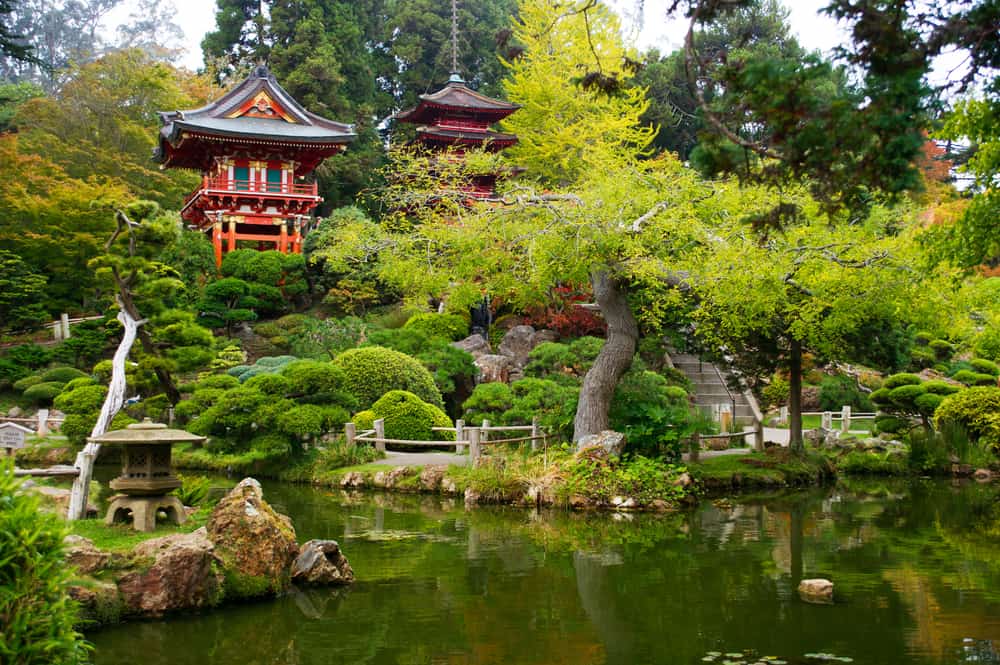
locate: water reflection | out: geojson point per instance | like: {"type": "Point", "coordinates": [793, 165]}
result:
{"type": "Point", "coordinates": [916, 569]}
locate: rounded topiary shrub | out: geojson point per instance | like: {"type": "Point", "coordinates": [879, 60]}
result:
{"type": "Point", "coordinates": [984, 366]}
{"type": "Point", "coordinates": [42, 394]}
{"type": "Point", "coordinates": [276, 361]}
{"type": "Point", "coordinates": [23, 384]}
{"type": "Point", "coordinates": [318, 383]}
{"type": "Point", "coordinates": [373, 371]}
{"type": "Point", "coordinates": [223, 381]}
{"type": "Point", "coordinates": [364, 420]}
{"type": "Point", "coordinates": [79, 383]}
{"type": "Point", "coordinates": [81, 400]}
{"type": "Point", "coordinates": [409, 417]}
{"type": "Point", "coordinates": [975, 409]}
{"type": "Point", "coordinates": [449, 326]}
{"type": "Point", "coordinates": [970, 378]}
{"type": "Point", "coordinates": [897, 380]}
{"type": "Point", "coordinates": [891, 424]}
{"type": "Point", "coordinates": [271, 384]}
{"type": "Point", "coordinates": [62, 375]}
{"type": "Point", "coordinates": [938, 387]}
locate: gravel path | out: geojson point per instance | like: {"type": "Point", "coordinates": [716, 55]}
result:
{"type": "Point", "coordinates": [422, 459]}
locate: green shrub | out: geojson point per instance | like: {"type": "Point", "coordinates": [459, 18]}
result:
{"type": "Point", "coordinates": [987, 345]}
{"type": "Point", "coordinates": [984, 366]}
{"type": "Point", "coordinates": [102, 371]}
{"type": "Point", "coordinates": [364, 420]}
{"type": "Point", "coordinates": [938, 387]}
{"type": "Point", "coordinates": [237, 370]}
{"type": "Point", "coordinates": [302, 421]}
{"type": "Point", "coordinates": [10, 372]}
{"type": "Point", "coordinates": [927, 403]}
{"type": "Point", "coordinates": [897, 380]}
{"type": "Point", "coordinates": [222, 381]}
{"type": "Point", "coordinates": [79, 383]}
{"type": "Point", "coordinates": [451, 327]}
{"type": "Point", "coordinates": [267, 329]}
{"type": "Point", "coordinates": [318, 382]}
{"type": "Point", "coordinates": [198, 402]}
{"type": "Point", "coordinates": [276, 361]}
{"type": "Point", "coordinates": [409, 417]}
{"type": "Point", "coordinates": [563, 362]}
{"type": "Point", "coordinates": [970, 378]}
{"type": "Point", "coordinates": [78, 426]}
{"type": "Point", "coordinates": [42, 394]}
{"type": "Point", "coordinates": [923, 338]}
{"type": "Point", "coordinates": [928, 452]}
{"type": "Point", "coordinates": [451, 368]}
{"type": "Point", "coordinates": [923, 357]}
{"type": "Point", "coordinates": [881, 397]}
{"type": "Point", "coordinates": [554, 404]}
{"type": "Point", "coordinates": [270, 384]}
{"type": "Point", "coordinates": [860, 462]}
{"type": "Point", "coordinates": [836, 392]}
{"type": "Point", "coordinates": [892, 424]}
{"type": "Point", "coordinates": [644, 410]}
{"type": "Point", "coordinates": [62, 375]}
{"type": "Point", "coordinates": [775, 393]}
{"type": "Point", "coordinates": [275, 446]}
{"type": "Point", "coordinates": [638, 477]}
{"type": "Point", "coordinates": [904, 396]}
{"type": "Point", "coordinates": [942, 348]}
{"type": "Point", "coordinates": [33, 356]}
{"type": "Point", "coordinates": [373, 371]}
{"type": "Point", "coordinates": [975, 409]}
{"type": "Point", "coordinates": [193, 490]}
{"type": "Point", "coordinates": [23, 384]}
{"type": "Point", "coordinates": [81, 400]}
{"type": "Point", "coordinates": [37, 612]}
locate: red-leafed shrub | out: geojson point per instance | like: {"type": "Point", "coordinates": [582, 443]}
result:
{"type": "Point", "coordinates": [564, 314]}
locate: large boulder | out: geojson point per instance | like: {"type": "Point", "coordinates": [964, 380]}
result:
{"type": "Point", "coordinates": [182, 575]}
{"type": "Point", "coordinates": [476, 345]}
{"type": "Point", "coordinates": [81, 553]}
{"type": "Point", "coordinates": [494, 368]}
{"type": "Point", "coordinates": [607, 443]}
{"type": "Point", "coordinates": [517, 344]}
{"type": "Point", "coordinates": [255, 544]}
{"type": "Point", "coordinates": [321, 562]}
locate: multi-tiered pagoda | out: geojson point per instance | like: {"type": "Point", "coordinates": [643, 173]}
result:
{"type": "Point", "coordinates": [457, 118]}
{"type": "Point", "coordinates": [256, 148]}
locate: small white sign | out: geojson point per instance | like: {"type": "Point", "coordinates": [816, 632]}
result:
{"type": "Point", "coordinates": [12, 435]}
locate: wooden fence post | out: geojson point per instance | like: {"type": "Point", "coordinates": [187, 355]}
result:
{"type": "Point", "coordinates": [459, 436]}
{"type": "Point", "coordinates": [350, 432]}
{"type": "Point", "coordinates": [695, 447]}
{"type": "Point", "coordinates": [536, 432]}
{"type": "Point", "coordinates": [43, 423]}
{"type": "Point", "coordinates": [484, 433]}
{"type": "Point", "coordinates": [474, 451]}
{"type": "Point", "coordinates": [758, 437]}
{"type": "Point", "coordinates": [380, 435]}
{"type": "Point", "coordinates": [783, 415]}
{"type": "Point", "coordinates": [826, 420]}
{"type": "Point", "coordinates": [845, 419]}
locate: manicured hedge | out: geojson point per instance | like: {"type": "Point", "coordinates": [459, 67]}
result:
{"type": "Point", "coordinates": [373, 371]}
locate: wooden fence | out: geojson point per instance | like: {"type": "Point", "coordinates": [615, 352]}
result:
{"type": "Point", "coordinates": [845, 416]}
{"type": "Point", "coordinates": [42, 423]}
{"type": "Point", "coordinates": [473, 437]}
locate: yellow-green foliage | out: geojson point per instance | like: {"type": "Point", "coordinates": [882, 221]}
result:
{"type": "Point", "coordinates": [408, 417]}
{"type": "Point", "coordinates": [976, 409]}
{"type": "Point", "coordinates": [566, 129]}
{"type": "Point", "coordinates": [449, 326]}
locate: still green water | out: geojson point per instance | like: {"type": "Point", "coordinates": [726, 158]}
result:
{"type": "Point", "coordinates": [916, 568]}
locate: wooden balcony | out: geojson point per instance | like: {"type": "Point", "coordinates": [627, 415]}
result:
{"type": "Point", "coordinates": [217, 193]}
{"type": "Point", "coordinates": [252, 186]}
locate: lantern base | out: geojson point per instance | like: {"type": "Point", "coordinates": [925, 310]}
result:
{"type": "Point", "coordinates": [142, 511]}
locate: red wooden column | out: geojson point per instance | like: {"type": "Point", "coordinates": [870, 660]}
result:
{"type": "Point", "coordinates": [217, 243]}
{"type": "Point", "coordinates": [231, 244]}
{"type": "Point", "coordinates": [283, 238]}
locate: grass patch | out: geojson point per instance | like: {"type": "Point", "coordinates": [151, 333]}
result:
{"type": "Point", "coordinates": [871, 463]}
{"type": "Point", "coordinates": [122, 538]}
{"type": "Point", "coordinates": [816, 421]}
{"type": "Point", "coordinates": [780, 468]}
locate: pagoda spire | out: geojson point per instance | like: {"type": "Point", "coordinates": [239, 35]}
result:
{"type": "Point", "coordinates": [456, 76]}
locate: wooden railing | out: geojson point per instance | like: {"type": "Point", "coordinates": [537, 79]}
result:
{"type": "Point", "coordinates": [473, 437]}
{"type": "Point", "coordinates": [233, 185]}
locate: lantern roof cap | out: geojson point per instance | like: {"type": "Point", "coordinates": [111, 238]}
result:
{"type": "Point", "coordinates": [146, 432]}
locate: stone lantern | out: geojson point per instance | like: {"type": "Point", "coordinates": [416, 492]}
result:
{"type": "Point", "coordinates": [147, 477]}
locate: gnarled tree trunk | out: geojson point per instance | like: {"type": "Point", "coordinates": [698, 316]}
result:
{"type": "Point", "coordinates": [612, 362]}
{"type": "Point", "coordinates": [112, 405]}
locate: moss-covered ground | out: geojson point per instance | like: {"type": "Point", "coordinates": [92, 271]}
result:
{"type": "Point", "coordinates": [121, 538]}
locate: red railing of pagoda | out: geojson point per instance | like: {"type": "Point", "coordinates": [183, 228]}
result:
{"type": "Point", "coordinates": [228, 185]}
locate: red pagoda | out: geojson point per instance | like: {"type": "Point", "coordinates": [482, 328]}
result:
{"type": "Point", "coordinates": [255, 147]}
{"type": "Point", "coordinates": [456, 118]}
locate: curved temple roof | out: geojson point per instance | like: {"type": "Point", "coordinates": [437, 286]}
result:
{"type": "Point", "coordinates": [456, 96]}
{"type": "Point", "coordinates": [258, 111]}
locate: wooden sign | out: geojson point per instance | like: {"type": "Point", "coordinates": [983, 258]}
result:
{"type": "Point", "coordinates": [12, 436]}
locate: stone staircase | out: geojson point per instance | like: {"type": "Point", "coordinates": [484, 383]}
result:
{"type": "Point", "coordinates": [710, 389]}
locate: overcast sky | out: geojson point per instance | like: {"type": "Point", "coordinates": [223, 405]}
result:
{"type": "Point", "coordinates": [196, 17]}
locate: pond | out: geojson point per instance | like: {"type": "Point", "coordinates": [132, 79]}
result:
{"type": "Point", "coordinates": [916, 567]}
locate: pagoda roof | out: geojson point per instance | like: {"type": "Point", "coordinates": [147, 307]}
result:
{"type": "Point", "coordinates": [441, 135]}
{"type": "Point", "coordinates": [456, 96]}
{"type": "Point", "coordinates": [258, 111]}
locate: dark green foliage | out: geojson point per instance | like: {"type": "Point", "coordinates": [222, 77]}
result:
{"type": "Point", "coordinates": [652, 414]}
{"type": "Point", "coordinates": [641, 478]}
{"type": "Point", "coordinates": [78, 426]}
{"type": "Point", "coordinates": [942, 348]}
{"type": "Point", "coordinates": [940, 387]}
{"type": "Point", "coordinates": [892, 424]}
{"type": "Point", "coordinates": [223, 381]}
{"type": "Point", "coordinates": [23, 384]}
{"type": "Point", "coordinates": [86, 346]}
{"type": "Point", "coordinates": [37, 612]}
{"type": "Point", "coordinates": [225, 303]}
{"type": "Point", "coordinates": [838, 391]}
{"type": "Point", "coordinates": [193, 490]}
{"type": "Point", "coordinates": [451, 327]}
{"type": "Point", "coordinates": [554, 404]}
{"type": "Point", "coordinates": [409, 417]}
{"type": "Point", "coordinates": [270, 384]}
{"type": "Point", "coordinates": [564, 363]}
{"type": "Point", "coordinates": [897, 380]}
{"type": "Point", "coordinates": [43, 393]}
{"type": "Point", "coordinates": [303, 421]}
{"type": "Point", "coordinates": [316, 382]}
{"type": "Point", "coordinates": [186, 345]}
{"type": "Point", "coordinates": [31, 356]}
{"type": "Point", "coordinates": [926, 403]}
{"type": "Point", "coordinates": [975, 409]}
{"type": "Point", "coordinates": [11, 372]}
{"type": "Point", "coordinates": [373, 371]}
{"type": "Point", "coordinates": [984, 366]}
{"type": "Point", "coordinates": [265, 365]}
{"type": "Point", "coordinates": [903, 396]}
{"type": "Point", "coordinates": [338, 454]}
{"type": "Point", "coordinates": [870, 463]}
{"type": "Point", "coordinates": [776, 392]}
{"type": "Point", "coordinates": [923, 357]}
{"type": "Point", "coordinates": [22, 294]}
{"type": "Point", "coordinates": [325, 338]}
